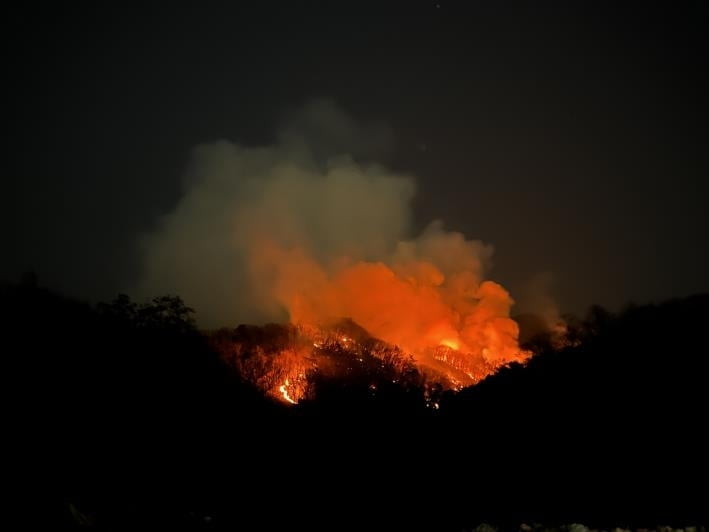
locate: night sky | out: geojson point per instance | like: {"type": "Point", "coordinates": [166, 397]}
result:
{"type": "Point", "coordinates": [571, 137]}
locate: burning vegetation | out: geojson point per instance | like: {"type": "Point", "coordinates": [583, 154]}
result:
{"type": "Point", "coordinates": [292, 363]}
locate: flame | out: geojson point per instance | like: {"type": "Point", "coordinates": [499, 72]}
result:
{"type": "Point", "coordinates": [283, 389]}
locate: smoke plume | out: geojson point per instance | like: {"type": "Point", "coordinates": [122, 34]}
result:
{"type": "Point", "coordinates": [304, 230]}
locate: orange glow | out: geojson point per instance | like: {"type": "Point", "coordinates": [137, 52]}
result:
{"type": "Point", "coordinates": [453, 344]}
{"type": "Point", "coordinates": [410, 303]}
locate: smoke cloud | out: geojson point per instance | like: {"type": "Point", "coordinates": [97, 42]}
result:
{"type": "Point", "coordinates": [304, 230]}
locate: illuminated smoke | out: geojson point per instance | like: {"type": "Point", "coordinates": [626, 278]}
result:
{"type": "Point", "coordinates": [305, 230]}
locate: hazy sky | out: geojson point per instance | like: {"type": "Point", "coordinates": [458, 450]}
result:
{"type": "Point", "coordinates": [572, 139]}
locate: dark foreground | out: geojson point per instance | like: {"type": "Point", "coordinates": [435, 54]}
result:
{"type": "Point", "coordinates": [128, 419]}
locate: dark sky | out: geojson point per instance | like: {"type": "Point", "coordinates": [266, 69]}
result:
{"type": "Point", "coordinates": [571, 135]}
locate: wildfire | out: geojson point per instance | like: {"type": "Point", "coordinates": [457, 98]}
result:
{"type": "Point", "coordinates": [283, 388]}
{"type": "Point", "coordinates": [287, 361]}
{"type": "Point", "coordinates": [298, 230]}
{"type": "Point", "coordinates": [429, 295]}
{"type": "Point", "coordinates": [428, 301]}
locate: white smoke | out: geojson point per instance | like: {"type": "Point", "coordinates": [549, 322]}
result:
{"type": "Point", "coordinates": [312, 199]}
{"type": "Point", "coordinates": [306, 190]}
